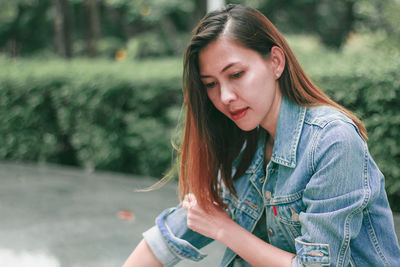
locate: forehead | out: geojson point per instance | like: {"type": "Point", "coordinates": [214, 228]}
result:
{"type": "Point", "coordinates": [222, 52]}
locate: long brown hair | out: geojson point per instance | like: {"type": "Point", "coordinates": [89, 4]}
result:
{"type": "Point", "coordinates": [211, 141]}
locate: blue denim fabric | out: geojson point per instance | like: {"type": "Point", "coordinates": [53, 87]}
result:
{"type": "Point", "coordinates": [322, 194]}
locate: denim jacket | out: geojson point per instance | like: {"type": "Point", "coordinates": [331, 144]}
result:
{"type": "Point", "coordinates": [321, 197]}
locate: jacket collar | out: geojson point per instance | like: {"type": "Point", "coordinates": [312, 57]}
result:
{"type": "Point", "coordinates": [288, 131]}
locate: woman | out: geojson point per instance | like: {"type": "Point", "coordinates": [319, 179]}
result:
{"type": "Point", "coordinates": [270, 166]}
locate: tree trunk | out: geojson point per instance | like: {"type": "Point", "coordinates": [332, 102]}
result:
{"type": "Point", "coordinates": [62, 28]}
{"type": "Point", "coordinates": [199, 11]}
{"type": "Point", "coordinates": [93, 27]}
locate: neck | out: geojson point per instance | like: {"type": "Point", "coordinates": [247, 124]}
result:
{"type": "Point", "coordinates": [270, 121]}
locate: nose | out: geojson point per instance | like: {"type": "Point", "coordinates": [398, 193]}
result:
{"type": "Point", "coordinates": [227, 94]}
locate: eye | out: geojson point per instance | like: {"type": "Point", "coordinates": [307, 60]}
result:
{"type": "Point", "coordinates": [237, 74]}
{"type": "Point", "coordinates": [209, 85]}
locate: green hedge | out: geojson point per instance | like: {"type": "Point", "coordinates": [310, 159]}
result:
{"type": "Point", "coordinates": [96, 114]}
{"type": "Point", "coordinates": [120, 115]}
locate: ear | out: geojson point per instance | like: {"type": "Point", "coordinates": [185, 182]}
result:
{"type": "Point", "coordinates": [277, 59]}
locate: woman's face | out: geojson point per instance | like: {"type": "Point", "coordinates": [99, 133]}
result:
{"type": "Point", "coordinates": [241, 83]}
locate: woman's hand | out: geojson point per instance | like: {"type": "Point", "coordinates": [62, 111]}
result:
{"type": "Point", "coordinates": [217, 224]}
{"type": "Point", "coordinates": [208, 223]}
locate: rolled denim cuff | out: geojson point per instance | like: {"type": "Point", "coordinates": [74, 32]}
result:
{"type": "Point", "coordinates": [180, 247]}
{"type": "Point", "coordinates": [159, 247]}
{"type": "Point", "coordinates": [311, 254]}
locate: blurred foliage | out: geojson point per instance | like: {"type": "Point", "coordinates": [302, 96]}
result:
{"type": "Point", "coordinates": [29, 26]}
{"type": "Point", "coordinates": [24, 26]}
{"type": "Point", "coordinates": [382, 17]}
{"type": "Point", "coordinates": [102, 114]}
{"type": "Point", "coordinates": [157, 28]}
{"type": "Point", "coordinates": [332, 21]}
{"type": "Point", "coordinates": [120, 116]}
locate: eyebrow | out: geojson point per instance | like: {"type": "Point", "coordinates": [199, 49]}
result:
{"type": "Point", "coordinates": [224, 69]}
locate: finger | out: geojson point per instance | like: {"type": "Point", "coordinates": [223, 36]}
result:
{"type": "Point", "coordinates": [185, 205]}
{"type": "Point", "coordinates": [191, 198]}
{"type": "Point", "coordinates": [189, 201]}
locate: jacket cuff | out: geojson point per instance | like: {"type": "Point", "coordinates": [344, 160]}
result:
{"type": "Point", "coordinates": [159, 247]}
{"type": "Point", "coordinates": [311, 254]}
{"type": "Point", "coordinates": [180, 247]}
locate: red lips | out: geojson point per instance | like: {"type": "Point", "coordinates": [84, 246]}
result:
{"type": "Point", "coordinates": [238, 113]}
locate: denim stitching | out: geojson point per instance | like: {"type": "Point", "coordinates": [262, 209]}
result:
{"type": "Point", "coordinates": [299, 128]}
{"type": "Point", "coordinates": [315, 245]}
{"type": "Point", "coordinates": [285, 233]}
{"type": "Point", "coordinates": [315, 139]}
{"type": "Point", "coordinates": [373, 238]}
{"type": "Point", "coordinates": [367, 192]}
{"type": "Point", "coordinates": [181, 251]}
{"type": "Point", "coordinates": [351, 262]}
{"type": "Point", "coordinates": [285, 199]}
{"type": "Point", "coordinates": [290, 227]}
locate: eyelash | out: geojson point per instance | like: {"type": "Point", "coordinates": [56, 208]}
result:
{"type": "Point", "coordinates": [235, 76]}
{"type": "Point", "coordinates": [210, 85]}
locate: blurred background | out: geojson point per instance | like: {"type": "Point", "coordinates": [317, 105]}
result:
{"type": "Point", "coordinates": [96, 84]}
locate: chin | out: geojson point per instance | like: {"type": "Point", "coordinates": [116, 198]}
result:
{"type": "Point", "coordinates": [246, 128]}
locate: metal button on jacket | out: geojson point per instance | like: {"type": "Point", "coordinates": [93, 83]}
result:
{"type": "Point", "coordinates": [270, 232]}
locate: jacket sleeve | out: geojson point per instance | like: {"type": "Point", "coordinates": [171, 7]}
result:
{"type": "Point", "coordinates": [334, 197]}
{"type": "Point", "coordinates": [171, 240]}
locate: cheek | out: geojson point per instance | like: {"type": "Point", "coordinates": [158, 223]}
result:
{"type": "Point", "coordinates": [265, 86]}
{"type": "Point", "coordinates": [255, 82]}
{"type": "Point", "coordinates": [213, 96]}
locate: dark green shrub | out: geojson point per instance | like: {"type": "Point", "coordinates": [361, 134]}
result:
{"type": "Point", "coordinates": [102, 114]}
{"type": "Point", "coordinates": [120, 115]}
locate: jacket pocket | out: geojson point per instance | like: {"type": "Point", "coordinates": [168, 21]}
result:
{"type": "Point", "coordinates": [293, 228]}
{"type": "Point", "coordinates": [286, 210]}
